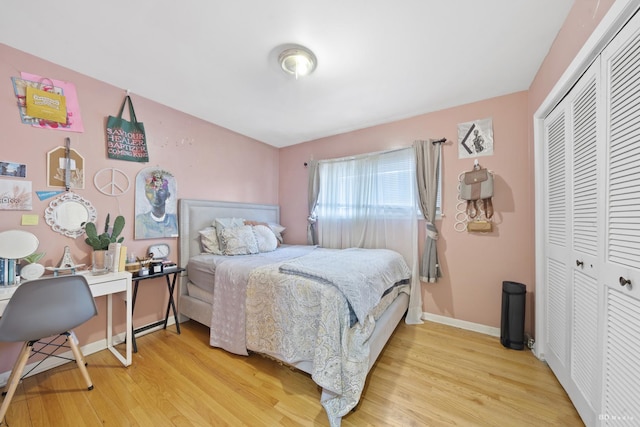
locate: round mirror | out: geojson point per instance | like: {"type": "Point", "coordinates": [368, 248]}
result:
{"type": "Point", "coordinates": [15, 244]}
{"type": "Point", "coordinates": [66, 214]}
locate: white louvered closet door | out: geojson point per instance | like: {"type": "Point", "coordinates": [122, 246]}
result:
{"type": "Point", "coordinates": [587, 214]}
{"type": "Point", "coordinates": [558, 254]}
{"type": "Point", "coordinates": [573, 212]}
{"type": "Point", "coordinates": [621, 269]}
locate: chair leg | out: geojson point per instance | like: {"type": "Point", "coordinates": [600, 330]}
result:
{"type": "Point", "coordinates": [79, 359]}
{"type": "Point", "coordinates": [14, 378]}
{"type": "Point", "coordinates": [82, 365]}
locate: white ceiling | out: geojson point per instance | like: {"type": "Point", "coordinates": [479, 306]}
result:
{"type": "Point", "coordinates": [378, 60]}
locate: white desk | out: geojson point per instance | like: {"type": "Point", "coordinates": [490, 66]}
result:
{"type": "Point", "coordinates": [106, 284]}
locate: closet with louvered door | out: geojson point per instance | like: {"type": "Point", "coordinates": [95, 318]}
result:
{"type": "Point", "coordinates": [621, 266]}
{"type": "Point", "coordinates": [572, 132]}
{"type": "Point", "coordinates": [592, 240]}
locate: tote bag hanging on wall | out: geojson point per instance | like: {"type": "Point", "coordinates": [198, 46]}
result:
{"type": "Point", "coordinates": [126, 140]}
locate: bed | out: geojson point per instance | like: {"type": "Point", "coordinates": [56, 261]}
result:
{"type": "Point", "coordinates": [271, 303]}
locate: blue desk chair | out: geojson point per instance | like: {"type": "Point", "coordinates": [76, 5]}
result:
{"type": "Point", "coordinates": [40, 309]}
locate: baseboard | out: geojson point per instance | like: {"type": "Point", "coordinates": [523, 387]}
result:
{"type": "Point", "coordinates": [462, 324]}
{"type": "Point", "coordinates": [94, 347]}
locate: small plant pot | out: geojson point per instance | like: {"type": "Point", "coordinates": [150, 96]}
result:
{"type": "Point", "coordinates": [101, 262]}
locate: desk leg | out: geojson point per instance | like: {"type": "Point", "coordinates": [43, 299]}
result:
{"type": "Point", "coordinates": [109, 321]}
{"type": "Point", "coordinates": [129, 310]}
{"type": "Point", "coordinates": [126, 360]}
{"type": "Point", "coordinates": [171, 285]}
{"type": "Point", "coordinates": [133, 306]}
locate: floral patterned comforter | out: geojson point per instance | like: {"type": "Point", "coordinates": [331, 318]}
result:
{"type": "Point", "coordinates": [294, 318]}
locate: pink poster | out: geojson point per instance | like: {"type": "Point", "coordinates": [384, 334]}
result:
{"type": "Point", "coordinates": [74, 123]}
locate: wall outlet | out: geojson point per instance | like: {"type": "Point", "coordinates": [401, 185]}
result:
{"type": "Point", "coordinates": [529, 341]}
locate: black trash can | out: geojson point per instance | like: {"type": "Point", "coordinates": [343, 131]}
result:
{"type": "Point", "coordinates": [514, 297]}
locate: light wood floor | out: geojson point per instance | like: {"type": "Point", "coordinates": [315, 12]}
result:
{"type": "Point", "coordinates": [428, 375]}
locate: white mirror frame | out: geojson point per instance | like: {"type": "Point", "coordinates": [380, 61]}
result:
{"type": "Point", "coordinates": [66, 214]}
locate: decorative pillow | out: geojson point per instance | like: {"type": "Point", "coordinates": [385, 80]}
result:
{"type": "Point", "coordinates": [277, 230]}
{"type": "Point", "coordinates": [222, 223]}
{"type": "Point", "coordinates": [228, 222]}
{"type": "Point", "coordinates": [267, 241]}
{"type": "Point", "coordinates": [209, 241]}
{"type": "Point", "coordinates": [238, 241]}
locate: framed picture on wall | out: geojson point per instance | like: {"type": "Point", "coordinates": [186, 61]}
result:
{"type": "Point", "coordinates": [57, 168]}
{"type": "Point", "coordinates": [17, 170]}
{"type": "Point", "coordinates": [475, 139]}
{"type": "Point", "coordinates": [15, 195]}
{"type": "Point", "coordinates": [156, 204]}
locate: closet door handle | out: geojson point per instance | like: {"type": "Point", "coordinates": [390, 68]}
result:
{"type": "Point", "coordinates": [579, 263]}
{"type": "Point", "coordinates": [624, 282]}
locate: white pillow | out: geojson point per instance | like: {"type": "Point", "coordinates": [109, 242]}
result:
{"type": "Point", "coordinates": [267, 241]}
{"type": "Point", "coordinates": [277, 230]}
{"type": "Point", "coordinates": [238, 241]}
{"type": "Point", "coordinates": [209, 241]}
{"type": "Point", "coordinates": [222, 223]}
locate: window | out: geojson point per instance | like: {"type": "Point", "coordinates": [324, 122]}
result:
{"type": "Point", "coordinates": [392, 174]}
{"type": "Point", "coordinates": [379, 184]}
{"type": "Point", "coordinates": [368, 201]}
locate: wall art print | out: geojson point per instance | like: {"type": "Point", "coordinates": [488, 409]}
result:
{"type": "Point", "coordinates": [57, 168]}
{"type": "Point", "coordinates": [156, 204]}
{"type": "Point", "coordinates": [74, 118]}
{"type": "Point", "coordinates": [15, 195]}
{"type": "Point", "coordinates": [18, 170]}
{"type": "Point", "coordinates": [475, 138]}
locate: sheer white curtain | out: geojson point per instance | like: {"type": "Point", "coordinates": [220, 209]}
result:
{"type": "Point", "coordinates": [370, 201]}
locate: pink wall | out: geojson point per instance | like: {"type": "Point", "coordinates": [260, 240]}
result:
{"type": "Point", "coordinates": [208, 162]}
{"type": "Point", "coordinates": [583, 18]}
{"type": "Point", "coordinates": [474, 265]}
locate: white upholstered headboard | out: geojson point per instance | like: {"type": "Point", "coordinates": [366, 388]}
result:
{"type": "Point", "coordinates": [194, 215]}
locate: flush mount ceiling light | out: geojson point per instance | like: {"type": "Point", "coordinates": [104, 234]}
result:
{"type": "Point", "coordinates": [297, 60]}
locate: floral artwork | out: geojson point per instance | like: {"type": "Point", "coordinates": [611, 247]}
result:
{"type": "Point", "coordinates": [15, 195]}
{"type": "Point", "coordinates": [156, 204]}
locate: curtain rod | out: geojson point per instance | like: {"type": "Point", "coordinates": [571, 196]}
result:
{"type": "Point", "coordinates": [437, 141]}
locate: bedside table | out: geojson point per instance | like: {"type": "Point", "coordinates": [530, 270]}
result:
{"type": "Point", "coordinates": [171, 305]}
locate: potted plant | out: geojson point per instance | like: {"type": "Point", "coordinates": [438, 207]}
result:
{"type": "Point", "coordinates": [100, 242]}
{"type": "Point", "coordinates": [32, 270]}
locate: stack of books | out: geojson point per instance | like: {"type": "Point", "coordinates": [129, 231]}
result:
{"type": "Point", "coordinates": [9, 272]}
{"type": "Point", "coordinates": [119, 257]}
